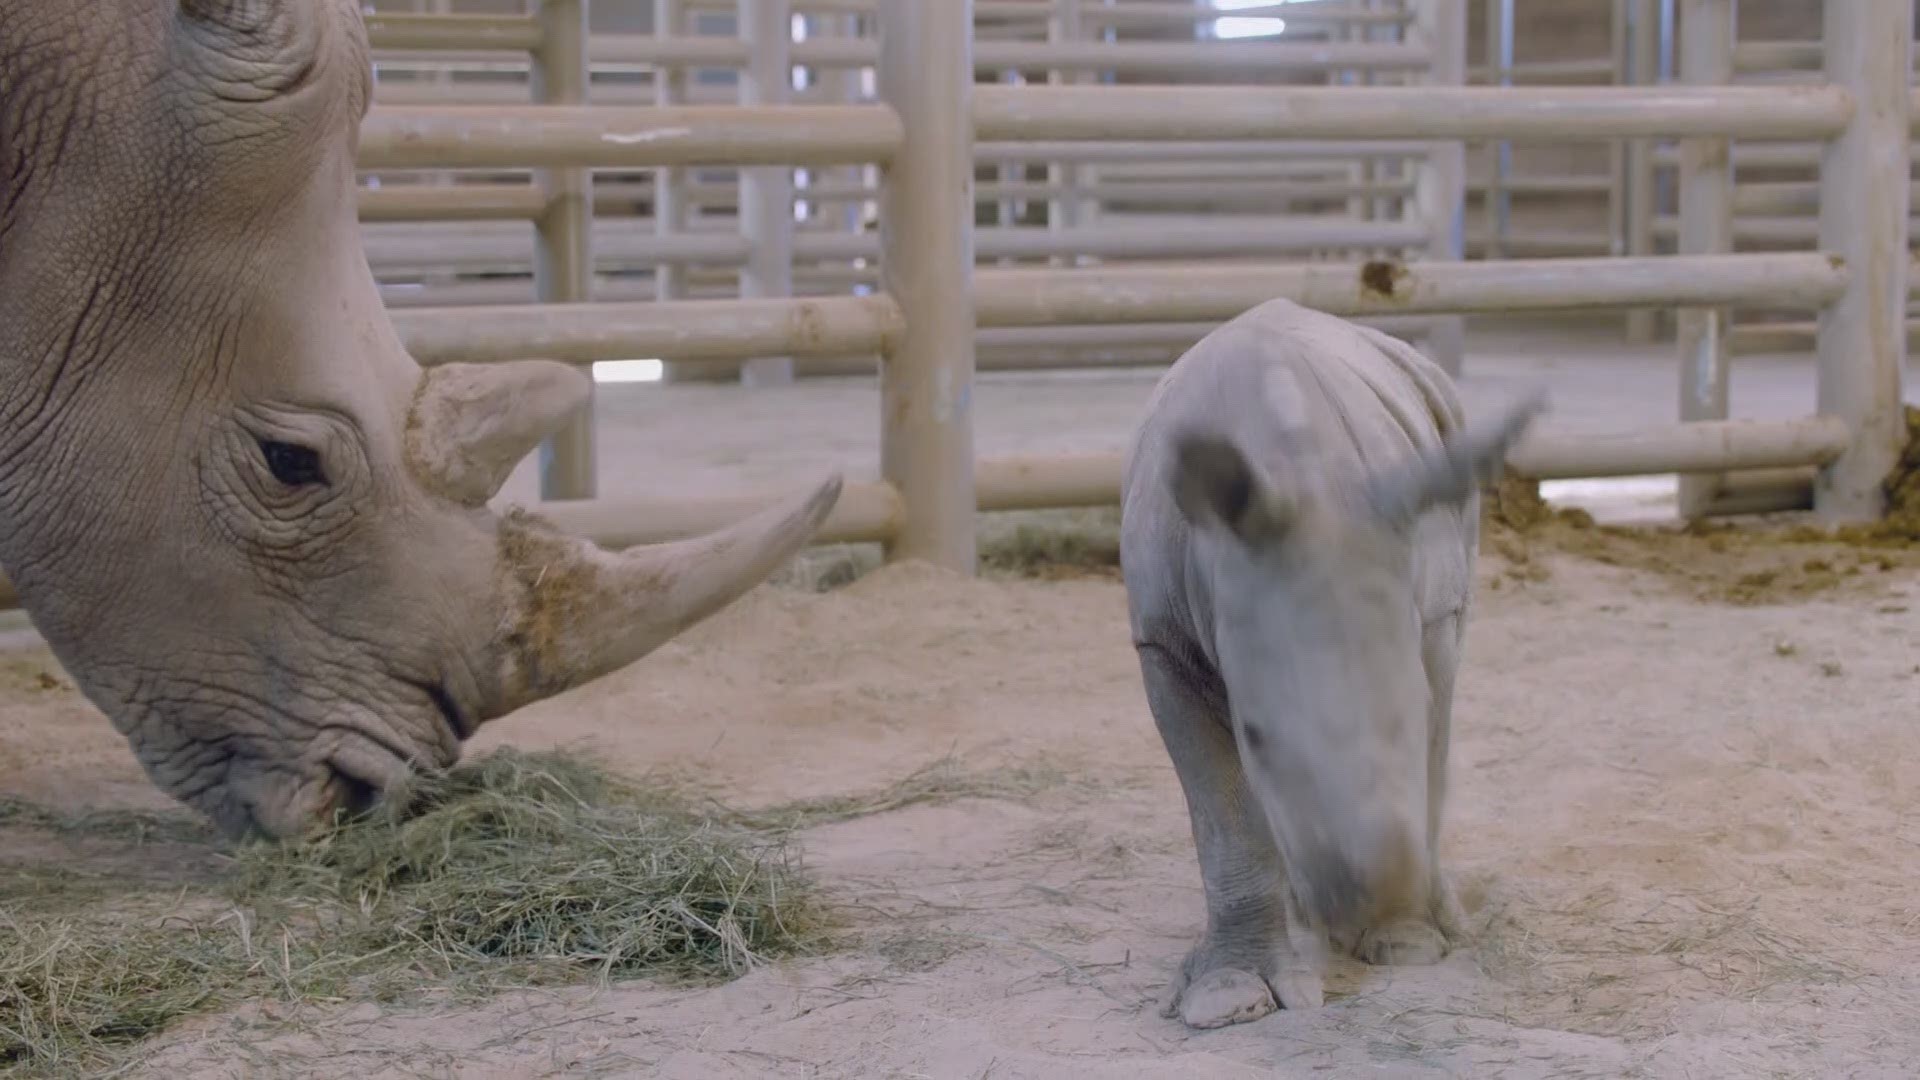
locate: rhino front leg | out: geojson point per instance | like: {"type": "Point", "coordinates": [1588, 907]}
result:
{"type": "Point", "coordinates": [1428, 939]}
{"type": "Point", "coordinates": [1257, 953]}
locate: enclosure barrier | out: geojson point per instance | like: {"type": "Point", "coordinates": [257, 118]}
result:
{"type": "Point", "coordinates": [932, 124]}
{"type": "Point", "coordinates": [693, 265]}
{"type": "Point", "coordinates": [608, 137]}
{"type": "Point", "coordinates": [1640, 43]}
{"type": "Point", "coordinates": [933, 298]}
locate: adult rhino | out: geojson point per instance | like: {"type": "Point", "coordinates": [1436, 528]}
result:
{"type": "Point", "coordinates": [1298, 533]}
{"type": "Point", "coordinates": [250, 526]}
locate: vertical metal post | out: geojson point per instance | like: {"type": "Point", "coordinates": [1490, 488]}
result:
{"type": "Point", "coordinates": [1439, 188]}
{"type": "Point", "coordinates": [1068, 178]}
{"type": "Point", "coordinates": [1358, 171]}
{"type": "Point", "coordinates": [1666, 178]}
{"type": "Point", "coordinates": [669, 184]}
{"type": "Point", "coordinates": [926, 245]}
{"type": "Point", "coordinates": [1642, 59]}
{"type": "Point", "coordinates": [1706, 228]}
{"type": "Point", "coordinates": [563, 245]}
{"type": "Point", "coordinates": [1497, 202]}
{"type": "Point", "coordinates": [766, 191]}
{"type": "Point", "coordinates": [1380, 171]}
{"type": "Point", "coordinates": [841, 86]}
{"type": "Point", "coordinates": [1006, 209]}
{"type": "Point", "coordinates": [1864, 198]}
{"type": "Point", "coordinates": [1621, 58]}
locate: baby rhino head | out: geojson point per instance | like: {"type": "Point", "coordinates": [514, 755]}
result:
{"type": "Point", "coordinates": [1317, 627]}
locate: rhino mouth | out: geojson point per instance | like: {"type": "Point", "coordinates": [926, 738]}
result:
{"type": "Point", "coordinates": [362, 769]}
{"type": "Point", "coordinates": [459, 724]}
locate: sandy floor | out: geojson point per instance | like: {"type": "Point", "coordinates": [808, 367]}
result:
{"type": "Point", "coordinates": [1684, 829]}
{"type": "Point", "coordinates": [1684, 820]}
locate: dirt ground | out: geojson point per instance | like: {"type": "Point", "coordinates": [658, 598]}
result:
{"type": "Point", "coordinates": [1683, 820]}
{"type": "Point", "coordinates": [1683, 827]}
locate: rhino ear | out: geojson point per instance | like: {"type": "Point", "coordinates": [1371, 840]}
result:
{"type": "Point", "coordinates": [472, 423]}
{"type": "Point", "coordinates": [1467, 460]}
{"type": "Point", "coordinates": [1215, 486]}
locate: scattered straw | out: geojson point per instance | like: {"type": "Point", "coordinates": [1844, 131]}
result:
{"type": "Point", "coordinates": [1052, 545]}
{"type": "Point", "coordinates": [1750, 562]}
{"type": "Point", "coordinates": [941, 781]}
{"type": "Point", "coordinates": [513, 869]}
{"type": "Point", "coordinates": [540, 858]}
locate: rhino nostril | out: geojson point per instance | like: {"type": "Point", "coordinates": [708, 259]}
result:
{"type": "Point", "coordinates": [356, 796]}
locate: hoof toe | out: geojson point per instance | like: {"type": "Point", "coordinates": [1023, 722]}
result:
{"type": "Point", "coordinates": [1409, 944]}
{"type": "Point", "coordinates": [1225, 996]}
{"type": "Point", "coordinates": [1300, 990]}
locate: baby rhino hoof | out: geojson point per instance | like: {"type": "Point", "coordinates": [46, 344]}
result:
{"type": "Point", "coordinates": [1225, 996]}
{"type": "Point", "coordinates": [1412, 943]}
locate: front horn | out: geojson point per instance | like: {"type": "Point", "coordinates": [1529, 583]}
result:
{"type": "Point", "coordinates": [572, 611]}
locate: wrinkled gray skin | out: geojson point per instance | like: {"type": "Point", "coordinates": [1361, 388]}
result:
{"type": "Point", "coordinates": [246, 521]}
{"type": "Point", "coordinates": [1299, 527]}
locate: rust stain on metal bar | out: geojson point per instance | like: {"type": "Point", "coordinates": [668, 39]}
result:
{"type": "Point", "coordinates": [1379, 279]}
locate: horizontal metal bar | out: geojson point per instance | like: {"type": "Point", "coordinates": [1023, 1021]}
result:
{"type": "Point", "coordinates": [865, 512]}
{"type": "Point", "coordinates": [1778, 337]}
{"type": "Point", "coordinates": [467, 202]}
{"type": "Point", "coordinates": [522, 202]}
{"type": "Point", "coordinates": [1188, 152]}
{"type": "Point", "coordinates": [1543, 69]}
{"type": "Point", "coordinates": [1028, 9]}
{"type": "Point", "coordinates": [1255, 191]}
{"type": "Point", "coordinates": [1300, 12]}
{"type": "Point", "coordinates": [1697, 447]}
{"type": "Point", "coordinates": [870, 511]}
{"type": "Point", "coordinates": [1544, 185]}
{"type": "Point", "coordinates": [1140, 58]}
{"type": "Point", "coordinates": [429, 249]}
{"type": "Point", "coordinates": [1762, 491]}
{"type": "Point", "coordinates": [1183, 293]}
{"type": "Point", "coordinates": [691, 329]}
{"type": "Point", "coordinates": [1764, 156]}
{"type": "Point", "coordinates": [1701, 446]}
{"type": "Point", "coordinates": [467, 33]}
{"type": "Point", "coordinates": [1155, 58]}
{"type": "Point", "coordinates": [389, 91]}
{"type": "Point", "coordinates": [1778, 56]}
{"type": "Point", "coordinates": [586, 136]}
{"type": "Point", "coordinates": [1557, 114]}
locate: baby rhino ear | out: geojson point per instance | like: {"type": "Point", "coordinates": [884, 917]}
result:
{"type": "Point", "coordinates": [1475, 456]}
{"type": "Point", "coordinates": [1216, 487]}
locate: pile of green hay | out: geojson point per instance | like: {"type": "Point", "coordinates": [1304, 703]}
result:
{"type": "Point", "coordinates": [514, 869]}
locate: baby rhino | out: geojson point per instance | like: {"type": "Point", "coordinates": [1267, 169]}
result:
{"type": "Point", "coordinates": [1299, 527]}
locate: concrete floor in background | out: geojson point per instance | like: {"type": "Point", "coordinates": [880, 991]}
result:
{"type": "Point", "coordinates": [698, 440]}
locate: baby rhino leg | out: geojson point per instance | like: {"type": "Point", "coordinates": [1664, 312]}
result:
{"type": "Point", "coordinates": [1247, 964]}
{"type": "Point", "coordinates": [1427, 937]}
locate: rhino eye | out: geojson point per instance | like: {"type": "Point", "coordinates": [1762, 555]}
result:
{"type": "Point", "coordinates": [294, 466]}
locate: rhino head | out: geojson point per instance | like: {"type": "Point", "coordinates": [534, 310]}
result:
{"type": "Point", "coordinates": [250, 525]}
{"type": "Point", "coordinates": [1319, 640]}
